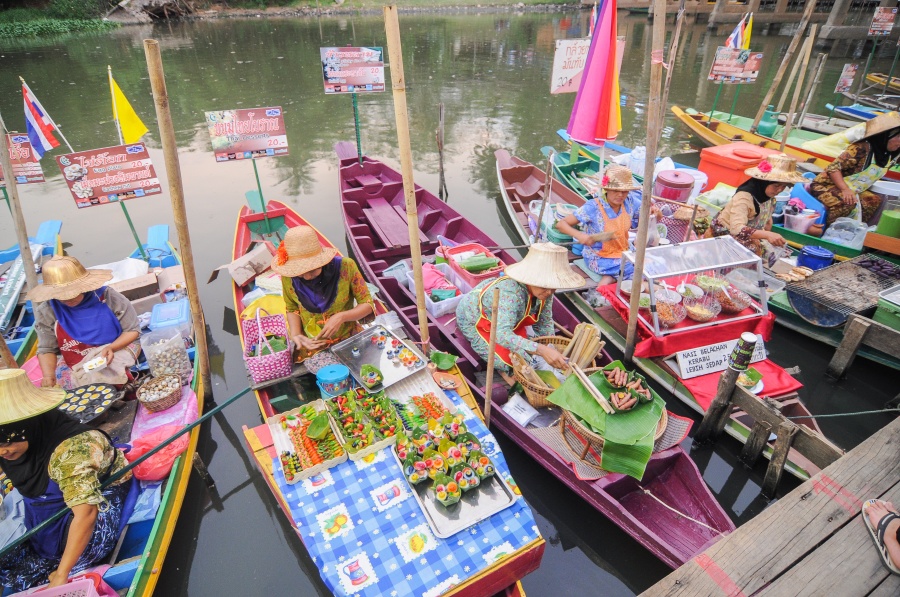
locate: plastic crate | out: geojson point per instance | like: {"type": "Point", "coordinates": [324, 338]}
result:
{"type": "Point", "coordinates": [437, 309]}
{"type": "Point", "coordinates": [472, 279]}
{"type": "Point", "coordinates": [83, 587]}
{"type": "Point", "coordinates": [888, 313]}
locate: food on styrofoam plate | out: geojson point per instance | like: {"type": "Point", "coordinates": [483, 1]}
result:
{"type": "Point", "coordinates": [95, 364]}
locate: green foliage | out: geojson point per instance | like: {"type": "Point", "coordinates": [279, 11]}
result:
{"type": "Point", "coordinates": [44, 26]}
{"type": "Point", "coordinates": [76, 9]}
{"type": "Point", "coordinates": [21, 14]}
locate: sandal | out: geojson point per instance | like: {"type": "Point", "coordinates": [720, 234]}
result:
{"type": "Point", "coordinates": [878, 534]}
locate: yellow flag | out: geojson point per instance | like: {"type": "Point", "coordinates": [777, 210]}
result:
{"type": "Point", "coordinates": [129, 122]}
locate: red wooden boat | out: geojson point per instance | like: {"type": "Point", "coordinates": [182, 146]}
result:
{"type": "Point", "coordinates": [373, 201]}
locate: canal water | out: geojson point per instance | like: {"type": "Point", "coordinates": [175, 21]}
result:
{"type": "Point", "coordinates": [492, 73]}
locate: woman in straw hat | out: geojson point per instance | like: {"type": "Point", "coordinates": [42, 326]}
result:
{"type": "Point", "coordinates": [54, 462]}
{"type": "Point", "coordinates": [748, 215]}
{"type": "Point", "coordinates": [77, 319]}
{"type": "Point", "coordinates": [324, 294]}
{"type": "Point", "coordinates": [526, 299]}
{"type": "Point", "coordinates": [847, 179]}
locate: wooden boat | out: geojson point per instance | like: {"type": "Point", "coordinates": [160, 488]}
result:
{"type": "Point", "coordinates": [824, 125]}
{"type": "Point", "coordinates": [672, 476]}
{"type": "Point", "coordinates": [511, 168]}
{"type": "Point", "coordinates": [856, 111]}
{"type": "Point", "coordinates": [880, 101]}
{"type": "Point", "coordinates": [881, 79]}
{"type": "Point", "coordinates": [797, 136]}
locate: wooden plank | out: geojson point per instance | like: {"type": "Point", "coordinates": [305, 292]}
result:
{"type": "Point", "coordinates": [764, 548]}
{"type": "Point", "coordinates": [881, 337]}
{"type": "Point", "coordinates": [881, 242]}
{"type": "Point", "coordinates": [783, 439]}
{"type": "Point", "coordinates": [392, 225]}
{"type": "Point", "coordinates": [854, 333]}
{"type": "Point", "coordinates": [890, 587]}
{"type": "Point", "coordinates": [372, 218]}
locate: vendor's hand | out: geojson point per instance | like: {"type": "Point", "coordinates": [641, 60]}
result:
{"type": "Point", "coordinates": [553, 357]}
{"type": "Point", "coordinates": [775, 238]}
{"type": "Point", "coordinates": [58, 578]}
{"type": "Point", "coordinates": [108, 354]}
{"type": "Point", "coordinates": [848, 197]}
{"type": "Point", "coordinates": [308, 343]}
{"type": "Point", "coordinates": [655, 210]}
{"type": "Point", "coordinates": [48, 382]}
{"type": "Point", "coordinates": [331, 326]}
{"type": "Point", "coordinates": [583, 238]}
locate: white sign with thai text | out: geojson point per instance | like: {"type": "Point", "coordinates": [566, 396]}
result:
{"type": "Point", "coordinates": [712, 358]}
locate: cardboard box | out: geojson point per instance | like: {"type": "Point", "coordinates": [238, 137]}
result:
{"type": "Point", "coordinates": [146, 304]}
{"type": "Point", "coordinates": [245, 268]}
{"type": "Point", "coordinates": [782, 266]}
{"type": "Point", "coordinates": [171, 278]}
{"type": "Point", "coordinates": [137, 288]}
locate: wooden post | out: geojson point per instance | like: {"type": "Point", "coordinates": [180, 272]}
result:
{"type": "Point", "coordinates": [756, 443]}
{"type": "Point", "coordinates": [854, 333]}
{"type": "Point", "coordinates": [548, 186]}
{"type": "Point", "coordinates": [654, 120]}
{"type": "Point", "coordinates": [6, 355]}
{"type": "Point", "coordinates": [398, 84]}
{"type": "Point", "coordinates": [785, 436]}
{"type": "Point", "coordinates": [176, 194]}
{"type": "Point", "coordinates": [673, 56]}
{"type": "Point", "coordinates": [788, 84]}
{"type": "Point", "coordinates": [807, 50]}
{"type": "Point", "coordinates": [719, 411]}
{"type": "Point", "coordinates": [16, 208]}
{"type": "Point", "coordinates": [817, 77]}
{"type": "Point", "coordinates": [492, 345]}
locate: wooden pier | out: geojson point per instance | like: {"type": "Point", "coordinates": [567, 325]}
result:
{"type": "Point", "coordinates": [810, 542]}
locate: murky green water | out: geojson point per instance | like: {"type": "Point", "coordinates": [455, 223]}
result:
{"type": "Point", "coordinates": [492, 73]}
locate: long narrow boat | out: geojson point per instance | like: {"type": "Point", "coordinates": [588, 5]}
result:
{"type": "Point", "coordinates": [372, 199]}
{"type": "Point", "coordinates": [511, 174]}
{"type": "Point", "coordinates": [880, 79]}
{"type": "Point", "coordinates": [819, 123]}
{"type": "Point", "coordinates": [857, 112]}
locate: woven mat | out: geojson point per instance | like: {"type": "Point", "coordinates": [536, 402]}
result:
{"type": "Point", "coordinates": [676, 430]}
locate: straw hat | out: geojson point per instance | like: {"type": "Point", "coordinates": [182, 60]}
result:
{"type": "Point", "coordinates": [65, 278]}
{"type": "Point", "coordinates": [777, 168]}
{"type": "Point", "coordinates": [301, 252]}
{"type": "Point", "coordinates": [618, 178]}
{"type": "Point", "coordinates": [881, 123]}
{"type": "Point", "coordinates": [20, 399]}
{"type": "Point", "coordinates": [546, 266]}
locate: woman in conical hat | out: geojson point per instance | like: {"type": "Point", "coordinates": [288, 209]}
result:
{"type": "Point", "coordinates": [54, 461]}
{"type": "Point", "coordinates": [526, 300]}
{"type": "Point", "coordinates": [78, 318]}
{"type": "Point", "coordinates": [325, 295]}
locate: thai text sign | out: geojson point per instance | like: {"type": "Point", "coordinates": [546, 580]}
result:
{"type": "Point", "coordinates": [568, 65]}
{"type": "Point", "coordinates": [110, 174]}
{"type": "Point", "coordinates": [247, 134]}
{"type": "Point", "coordinates": [25, 165]}
{"type": "Point", "coordinates": [712, 358]}
{"type": "Point", "coordinates": [882, 21]}
{"type": "Point", "coordinates": [735, 66]}
{"type": "Point", "coordinates": [353, 70]}
{"type": "Point", "coordinates": [845, 82]}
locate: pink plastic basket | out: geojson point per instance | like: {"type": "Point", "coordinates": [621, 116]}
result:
{"type": "Point", "coordinates": [76, 588]}
{"type": "Point", "coordinates": [469, 277]}
{"type": "Point", "coordinates": [273, 365]}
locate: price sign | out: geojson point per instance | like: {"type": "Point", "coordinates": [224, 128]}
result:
{"type": "Point", "coordinates": [25, 165]}
{"type": "Point", "coordinates": [247, 134]}
{"type": "Point", "coordinates": [845, 82]}
{"type": "Point", "coordinates": [882, 21]}
{"type": "Point", "coordinates": [712, 358]}
{"type": "Point", "coordinates": [735, 66]}
{"type": "Point", "coordinates": [568, 65]}
{"type": "Point", "coordinates": [110, 174]}
{"type": "Point", "coordinates": [352, 70]}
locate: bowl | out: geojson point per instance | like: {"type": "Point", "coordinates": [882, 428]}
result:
{"type": "Point", "coordinates": [690, 291]}
{"type": "Point", "coordinates": [703, 309]}
{"type": "Point", "coordinates": [732, 299]}
{"type": "Point", "coordinates": [644, 302]}
{"type": "Point", "coordinates": [670, 314]}
{"type": "Point", "coordinates": [668, 295]}
{"type": "Point", "coordinates": [709, 283]}
{"type": "Point", "coordinates": [626, 286]}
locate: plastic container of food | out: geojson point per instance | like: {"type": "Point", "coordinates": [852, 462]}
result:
{"type": "Point", "coordinates": [732, 299]}
{"type": "Point", "coordinates": [670, 314]}
{"type": "Point", "coordinates": [333, 380]}
{"type": "Point", "coordinates": [709, 284]}
{"type": "Point", "coordinates": [703, 309]}
{"type": "Point", "coordinates": [174, 314]}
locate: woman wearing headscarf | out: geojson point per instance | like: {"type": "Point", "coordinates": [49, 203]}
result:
{"type": "Point", "coordinates": [847, 179]}
{"type": "Point", "coordinates": [55, 462]}
{"type": "Point", "coordinates": [325, 295]}
{"type": "Point", "coordinates": [748, 215]}
{"type": "Point", "coordinates": [78, 318]}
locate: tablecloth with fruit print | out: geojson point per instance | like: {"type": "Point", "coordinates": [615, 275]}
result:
{"type": "Point", "coordinates": [368, 536]}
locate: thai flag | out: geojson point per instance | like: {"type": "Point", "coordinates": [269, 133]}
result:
{"type": "Point", "coordinates": [740, 37]}
{"type": "Point", "coordinates": [37, 124]}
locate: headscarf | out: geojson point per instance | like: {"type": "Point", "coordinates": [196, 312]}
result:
{"type": "Point", "coordinates": [880, 152]}
{"type": "Point", "coordinates": [43, 433]}
{"type": "Point", "coordinates": [317, 295]}
{"type": "Point", "coordinates": [757, 189]}
{"type": "Point", "coordinates": [91, 321]}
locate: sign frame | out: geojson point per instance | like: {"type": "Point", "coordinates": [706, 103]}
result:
{"type": "Point", "coordinates": [882, 21]}
{"type": "Point", "coordinates": [26, 166]}
{"type": "Point", "coordinates": [845, 81]}
{"type": "Point", "coordinates": [358, 69]}
{"type": "Point", "coordinates": [713, 358]}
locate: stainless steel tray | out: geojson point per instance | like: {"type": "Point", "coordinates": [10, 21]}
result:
{"type": "Point", "coordinates": [419, 383]}
{"type": "Point", "coordinates": [372, 355]}
{"type": "Point", "coordinates": [492, 496]}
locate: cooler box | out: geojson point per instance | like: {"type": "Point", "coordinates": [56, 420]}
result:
{"type": "Point", "coordinates": [888, 311]}
{"type": "Point", "coordinates": [726, 163]}
{"type": "Point", "coordinates": [174, 314]}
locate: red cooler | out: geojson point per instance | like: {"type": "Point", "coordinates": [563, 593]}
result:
{"type": "Point", "coordinates": [726, 163]}
{"type": "Point", "coordinates": [673, 184]}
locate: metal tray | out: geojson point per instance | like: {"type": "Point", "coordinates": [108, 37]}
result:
{"type": "Point", "coordinates": [372, 355]}
{"type": "Point", "coordinates": [419, 383]}
{"type": "Point", "coordinates": [492, 496]}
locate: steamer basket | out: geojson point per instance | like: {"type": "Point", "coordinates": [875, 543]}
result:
{"type": "Point", "coordinates": [537, 395]}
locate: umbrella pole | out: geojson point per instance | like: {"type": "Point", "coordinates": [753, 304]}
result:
{"type": "Point", "coordinates": [398, 84]}
{"type": "Point", "coordinates": [16, 208]}
{"type": "Point", "coordinates": [492, 345]}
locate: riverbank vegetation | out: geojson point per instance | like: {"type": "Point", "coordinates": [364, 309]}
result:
{"type": "Point", "coordinates": [56, 17]}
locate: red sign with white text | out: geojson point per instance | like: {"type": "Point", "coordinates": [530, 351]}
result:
{"type": "Point", "coordinates": [247, 134]}
{"type": "Point", "coordinates": [110, 174]}
{"type": "Point", "coordinates": [25, 165]}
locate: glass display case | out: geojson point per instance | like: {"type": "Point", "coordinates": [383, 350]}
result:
{"type": "Point", "coordinates": [695, 285]}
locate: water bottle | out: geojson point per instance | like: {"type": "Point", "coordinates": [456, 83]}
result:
{"type": "Point", "coordinates": [769, 122]}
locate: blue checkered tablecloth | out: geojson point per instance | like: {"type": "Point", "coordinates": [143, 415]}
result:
{"type": "Point", "coordinates": [368, 536]}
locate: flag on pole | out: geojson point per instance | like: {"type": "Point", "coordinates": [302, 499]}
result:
{"type": "Point", "coordinates": [130, 124]}
{"type": "Point", "coordinates": [38, 124]}
{"type": "Point", "coordinates": [593, 19]}
{"type": "Point", "coordinates": [740, 37]}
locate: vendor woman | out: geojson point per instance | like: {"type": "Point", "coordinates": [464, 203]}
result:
{"type": "Point", "coordinates": [325, 296]}
{"type": "Point", "coordinates": [526, 300]}
{"type": "Point", "coordinates": [55, 462]}
{"type": "Point", "coordinates": [848, 178]}
{"type": "Point", "coordinates": [748, 215]}
{"type": "Point", "coordinates": [77, 319]}
{"type": "Point", "coordinates": [608, 217]}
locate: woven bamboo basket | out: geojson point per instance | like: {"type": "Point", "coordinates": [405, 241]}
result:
{"type": "Point", "coordinates": [163, 403]}
{"type": "Point", "coordinates": [585, 442]}
{"type": "Point", "coordinates": [537, 395]}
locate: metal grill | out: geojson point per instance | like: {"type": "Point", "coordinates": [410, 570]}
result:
{"type": "Point", "coordinates": [848, 287]}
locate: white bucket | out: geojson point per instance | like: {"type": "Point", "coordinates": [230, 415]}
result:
{"type": "Point", "coordinates": [700, 180]}
{"type": "Point", "coordinates": [887, 189]}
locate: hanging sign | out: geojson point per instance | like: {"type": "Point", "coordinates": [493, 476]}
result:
{"type": "Point", "coordinates": [25, 165]}
{"type": "Point", "coordinates": [110, 174]}
{"type": "Point", "coordinates": [568, 65]}
{"type": "Point", "coordinates": [733, 65]}
{"type": "Point", "coordinates": [845, 81]}
{"type": "Point", "coordinates": [882, 21]}
{"type": "Point", "coordinates": [712, 358]}
{"type": "Point", "coordinates": [247, 134]}
{"type": "Point", "coordinates": [353, 70]}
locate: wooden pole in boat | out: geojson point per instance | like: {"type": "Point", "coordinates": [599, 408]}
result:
{"type": "Point", "coordinates": [16, 207]}
{"type": "Point", "coordinates": [788, 56]}
{"type": "Point", "coordinates": [807, 50]}
{"type": "Point", "coordinates": [492, 345]}
{"type": "Point", "coordinates": [673, 56]}
{"type": "Point", "coordinates": [654, 120]}
{"type": "Point", "coordinates": [890, 76]}
{"type": "Point", "coordinates": [6, 355]}
{"type": "Point", "coordinates": [817, 78]}
{"type": "Point", "coordinates": [548, 186]}
{"type": "Point", "coordinates": [398, 84]}
{"type": "Point", "coordinates": [790, 82]}
{"type": "Point", "coordinates": [176, 193]}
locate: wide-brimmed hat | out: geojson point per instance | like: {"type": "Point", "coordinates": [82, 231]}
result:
{"type": "Point", "coordinates": [65, 278]}
{"type": "Point", "coordinates": [881, 123]}
{"type": "Point", "coordinates": [546, 266]}
{"type": "Point", "coordinates": [301, 252]}
{"type": "Point", "coordinates": [618, 178]}
{"type": "Point", "coordinates": [20, 399]}
{"type": "Point", "coordinates": [776, 168]}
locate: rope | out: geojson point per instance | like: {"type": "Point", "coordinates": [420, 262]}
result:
{"type": "Point", "coordinates": [656, 57]}
{"type": "Point", "coordinates": [862, 412]}
{"type": "Point", "coordinates": [682, 514]}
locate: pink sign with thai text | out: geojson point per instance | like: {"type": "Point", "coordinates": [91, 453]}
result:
{"type": "Point", "coordinates": [110, 174]}
{"type": "Point", "coordinates": [25, 165]}
{"type": "Point", "coordinates": [247, 134]}
{"type": "Point", "coordinates": [352, 70]}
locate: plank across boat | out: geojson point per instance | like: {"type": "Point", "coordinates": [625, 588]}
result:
{"type": "Point", "coordinates": [671, 475]}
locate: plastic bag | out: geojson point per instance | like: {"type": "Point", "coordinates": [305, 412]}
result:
{"type": "Point", "coordinates": [147, 503]}
{"type": "Point", "coordinates": [158, 466]}
{"type": "Point", "coordinates": [847, 232]}
{"type": "Point", "coordinates": [166, 353]}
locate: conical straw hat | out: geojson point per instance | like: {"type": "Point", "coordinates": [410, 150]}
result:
{"type": "Point", "coordinates": [65, 278]}
{"type": "Point", "coordinates": [618, 178]}
{"type": "Point", "coordinates": [881, 123]}
{"type": "Point", "coordinates": [20, 399]}
{"type": "Point", "coordinates": [301, 252]}
{"type": "Point", "coordinates": [777, 168]}
{"type": "Point", "coordinates": [546, 266]}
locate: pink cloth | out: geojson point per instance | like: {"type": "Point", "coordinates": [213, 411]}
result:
{"type": "Point", "coordinates": [434, 279]}
{"type": "Point", "coordinates": [183, 413]}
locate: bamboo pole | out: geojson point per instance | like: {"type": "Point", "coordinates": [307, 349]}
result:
{"type": "Point", "coordinates": [492, 354]}
{"type": "Point", "coordinates": [817, 78]}
{"type": "Point", "coordinates": [788, 56]}
{"type": "Point", "coordinates": [807, 50]}
{"type": "Point", "coordinates": [16, 208]}
{"type": "Point", "coordinates": [548, 186]}
{"type": "Point", "coordinates": [176, 193]}
{"type": "Point", "coordinates": [654, 120]}
{"type": "Point", "coordinates": [398, 84]}
{"type": "Point", "coordinates": [673, 55]}
{"type": "Point", "coordinates": [6, 355]}
{"type": "Point", "coordinates": [779, 107]}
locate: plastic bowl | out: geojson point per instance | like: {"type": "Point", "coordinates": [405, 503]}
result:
{"type": "Point", "coordinates": [709, 283]}
{"type": "Point", "coordinates": [670, 314]}
{"type": "Point", "coordinates": [690, 291]}
{"type": "Point", "coordinates": [644, 302]}
{"type": "Point", "coordinates": [626, 287]}
{"type": "Point", "coordinates": [732, 299]}
{"type": "Point", "coordinates": [667, 295]}
{"type": "Point", "coordinates": [703, 309]}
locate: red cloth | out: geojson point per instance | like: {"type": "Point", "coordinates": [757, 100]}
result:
{"type": "Point", "coordinates": [776, 382]}
{"type": "Point", "coordinates": [650, 345]}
